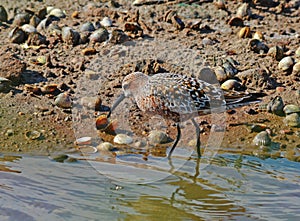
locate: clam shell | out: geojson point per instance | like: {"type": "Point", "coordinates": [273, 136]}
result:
{"type": "Point", "coordinates": [243, 10]}
{"type": "Point", "coordinates": [99, 35]}
{"type": "Point", "coordinates": [275, 106]}
{"type": "Point", "coordinates": [276, 52]}
{"type": "Point", "coordinates": [3, 14]}
{"type": "Point", "coordinates": [257, 46]}
{"type": "Point", "coordinates": [230, 84]}
{"type": "Point", "coordinates": [123, 139]}
{"type": "Point", "coordinates": [157, 137]}
{"type": "Point", "coordinates": [102, 122]}
{"type": "Point", "coordinates": [28, 28]}
{"type": "Point", "coordinates": [245, 32]}
{"type": "Point", "coordinates": [291, 108]}
{"type": "Point", "coordinates": [21, 19]}
{"type": "Point", "coordinates": [258, 35]}
{"type": "Point", "coordinates": [32, 135]}
{"type": "Point", "coordinates": [105, 146]}
{"type": "Point", "coordinates": [296, 68]}
{"type": "Point", "coordinates": [63, 100]}
{"type": "Point", "coordinates": [57, 13]}
{"type": "Point", "coordinates": [286, 63]}
{"type": "Point", "coordinates": [70, 36]}
{"type": "Point", "coordinates": [17, 36]}
{"type": "Point", "coordinates": [83, 141]}
{"type": "Point", "coordinates": [106, 22]}
{"type": "Point", "coordinates": [87, 149]}
{"type": "Point", "coordinates": [88, 26]}
{"type": "Point", "coordinates": [34, 21]}
{"type": "Point", "coordinates": [220, 74]}
{"type": "Point", "coordinates": [262, 139]}
{"type": "Point", "coordinates": [292, 120]}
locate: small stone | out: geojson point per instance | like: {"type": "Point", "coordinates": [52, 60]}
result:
{"type": "Point", "coordinates": [286, 63]}
{"type": "Point", "coordinates": [291, 108]}
{"type": "Point", "coordinates": [123, 139]}
{"type": "Point", "coordinates": [157, 137]}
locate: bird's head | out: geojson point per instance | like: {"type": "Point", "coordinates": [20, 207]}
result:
{"type": "Point", "coordinates": [133, 83]}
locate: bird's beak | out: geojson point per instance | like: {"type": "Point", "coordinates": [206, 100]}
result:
{"type": "Point", "coordinates": [117, 102]}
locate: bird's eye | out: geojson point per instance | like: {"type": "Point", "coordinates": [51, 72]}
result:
{"type": "Point", "coordinates": [125, 86]}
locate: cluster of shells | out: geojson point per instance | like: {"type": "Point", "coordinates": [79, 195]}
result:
{"type": "Point", "coordinates": [33, 27]}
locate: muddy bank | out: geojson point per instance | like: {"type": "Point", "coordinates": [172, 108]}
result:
{"type": "Point", "coordinates": [180, 37]}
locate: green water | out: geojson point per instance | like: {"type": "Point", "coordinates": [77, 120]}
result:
{"type": "Point", "coordinates": [230, 188]}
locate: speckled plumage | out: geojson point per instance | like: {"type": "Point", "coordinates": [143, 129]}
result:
{"type": "Point", "coordinates": [178, 97]}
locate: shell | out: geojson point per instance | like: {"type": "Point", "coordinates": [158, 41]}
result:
{"type": "Point", "coordinates": [102, 122]}
{"type": "Point", "coordinates": [17, 36]}
{"type": "Point", "coordinates": [106, 22]}
{"type": "Point", "coordinates": [244, 11]}
{"type": "Point", "coordinates": [87, 149]}
{"type": "Point", "coordinates": [3, 14]}
{"type": "Point", "coordinates": [231, 84]}
{"type": "Point", "coordinates": [276, 52]}
{"type": "Point", "coordinates": [70, 36]}
{"type": "Point", "coordinates": [257, 46]}
{"type": "Point", "coordinates": [262, 139]}
{"type": "Point", "coordinates": [258, 35]}
{"type": "Point", "coordinates": [36, 39]}
{"type": "Point", "coordinates": [123, 139]}
{"type": "Point", "coordinates": [45, 23]}
{"type": "Point", "coordinates": [105, 146]}
{"type": "Point", "coordinates": [275, 106]}
{"type": "Point", "coordinates": [118, 37]}
{"type": "Point", "coordinates": [88, 26]}
{"type": "Point", "coordinates": [220, 74]}
{"type": "Point", "coordinates": [34, 21]}
{"type": "Point", "coordinates": [296, 68]}
{"type": "Point", "coordinates": [63, 100]}
{"type": "Point", "coordinates": [28, 28]}
{"type": "Point", "coordinates": [91, 102]}
{"type": "Point", "coordinates": [21, 19]}
{"type": "Point", "coordinates": [229, 67]}
{"type": "Point", "coordinates": [157, 137]}
{"type": "Point", "coordinates": [83, 141]}
{"type": "Point", "coordinates": [297, 52]}
{"type": "Point", "coordinates": [292, 120]}
{"type": "Point", "coordinates": [48, 89]}
{"type": "Point", "coordinates": [291, 108]}
{"type": "Point", "coordinates": [4, 84]}
{"type": "Point", "coordinates": [57, 13]}
{"type": "Point", "coordinates": [286, 63]}
{"type": "Point", "coordinates": [99, 35]}
{"type": "Point", "coordinates": [245, 32]}
{"type": "Point", "coordinates": [32, 135]}
{"type": "Point", "coordinates": [236, 21]}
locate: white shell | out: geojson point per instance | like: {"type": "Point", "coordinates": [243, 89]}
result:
{"type": "Point", "coordinates": [28, 28]}
{"type": "Point", "coordinates": [83, 140]}
{"type": "Point", "coordinates": [285, 63]}
{"type": "Point", "coordinates": [106, 22]}
{"type": "Point", "coordinates": [123, 139]}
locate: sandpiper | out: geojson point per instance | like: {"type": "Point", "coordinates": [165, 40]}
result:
{"type": "Point", "coordinates": [179, 98]}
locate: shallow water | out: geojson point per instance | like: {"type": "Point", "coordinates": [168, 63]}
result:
{"type": "Point", "coordinates": [232, 187]}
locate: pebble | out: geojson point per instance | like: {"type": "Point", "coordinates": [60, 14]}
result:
{"type": "Point", "coordinates": [157, 137]}
{"type": "Point", "coordinates": [123, 139]}
{"type": "Point", "coordinates": [106, 22]}
{"type": "Point", "coordinates": [275, 106]}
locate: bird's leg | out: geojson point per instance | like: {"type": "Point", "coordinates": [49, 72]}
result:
{"type": "Point", "coordinates": [198, 136]}
{"type": "Point", "coordinates": [117, 102]}
{"type": "Point", "coordinates": [176, 141]}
